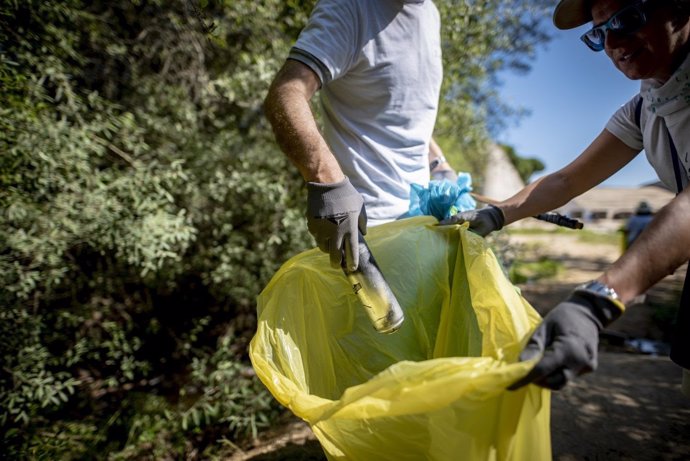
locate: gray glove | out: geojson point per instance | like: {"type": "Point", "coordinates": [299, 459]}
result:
{"type": "Point", "coordinates": [482, 222]}
{"type": "Point", "coordinates": [335, 214]}
{"type": "Point", "coordinates": [568, 338]}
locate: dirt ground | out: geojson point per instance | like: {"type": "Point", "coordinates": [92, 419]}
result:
{"type": "Point", "coordinates": [631, 408]}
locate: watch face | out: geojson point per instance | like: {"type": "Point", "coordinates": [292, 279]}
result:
{"type": "Point", "coordinates": [600, 289]}
{"type": "Point", "coordinates": [596, 286]}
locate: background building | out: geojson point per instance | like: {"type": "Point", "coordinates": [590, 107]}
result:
{"type": "Point", "coordinates": [609, 207]}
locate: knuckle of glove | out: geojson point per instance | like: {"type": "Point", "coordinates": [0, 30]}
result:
{"type": "Point", "coordinates": [323, 230]}
{"type": "Point", "coordinates": [494, 217]}
{"type": "Point", "coordinates": [482, 223]}
{"type": "Point", "coordinates": [466, 216]}
{"type": "Point", "coordinates": [331, 200]}
{"type": "Point", "coordinates": [455, 219]}
{"type": "Point", "coordinates": [580, 355]}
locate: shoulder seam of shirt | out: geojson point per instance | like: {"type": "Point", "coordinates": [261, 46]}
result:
{"type": "Point", "coordinates": [313, 62]}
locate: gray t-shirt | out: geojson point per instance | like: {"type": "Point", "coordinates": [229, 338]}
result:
{"type": "Point", "coordinates": [379, 62]}
{"type": "Point", "coordinates": [665, 110]}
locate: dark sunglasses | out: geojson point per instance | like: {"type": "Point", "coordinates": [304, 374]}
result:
{"type": "Point", "coordinates": [625, 21]}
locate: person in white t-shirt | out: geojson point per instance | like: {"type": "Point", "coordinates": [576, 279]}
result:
{"type": "Point", "coordinates": [648, 41]}
{"type": "Point", "coordinates": [377, 68]}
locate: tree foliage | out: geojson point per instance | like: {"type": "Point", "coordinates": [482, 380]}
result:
{"type": "Point", "coordinates": [483, 39]}
{"type": "Point", "coordinates": [525, 166]}
{"type": "Point", "coordinates": [144, 205]}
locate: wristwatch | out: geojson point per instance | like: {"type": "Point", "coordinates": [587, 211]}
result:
{"type": "Point", "coordinates": [598, 288]}
{"type": "Point", "coordinates": [436, 162]}
{"type": "Point", "coordinates": [606, 300]}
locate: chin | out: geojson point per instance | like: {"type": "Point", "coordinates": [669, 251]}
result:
{"type": "Point", "coordinates": [635, 72]}
{"type": "Point", "coordinates": [633, 75]}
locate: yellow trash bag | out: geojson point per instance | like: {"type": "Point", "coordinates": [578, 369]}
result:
{"type": "Point", "coordinates": [433, 390]}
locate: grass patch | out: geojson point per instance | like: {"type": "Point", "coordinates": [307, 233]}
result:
{"type": "Point", "coordinates": [583, 235]}
{"type": "Point", "coordinates": [522, 272]}
{"type": "Point", "coordinates": [606, 238]}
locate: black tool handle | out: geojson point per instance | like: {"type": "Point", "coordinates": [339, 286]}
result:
{"type": "Point", "coordinates": [560, 220]}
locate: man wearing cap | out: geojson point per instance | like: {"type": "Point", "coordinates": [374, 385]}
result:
{"type": "Point", "coordinates": [646, 41]}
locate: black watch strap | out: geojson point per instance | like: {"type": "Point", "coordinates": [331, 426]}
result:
{"type": "Point", "coordinates": [436, 162]}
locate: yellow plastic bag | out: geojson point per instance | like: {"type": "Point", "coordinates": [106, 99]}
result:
{"type": "Point", "coordinates": [435, 389]}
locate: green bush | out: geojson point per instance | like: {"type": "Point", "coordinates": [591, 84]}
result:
{"type": "Point", "coordinates": [144, 207]}
{"type": "Point", "coordinates": [522, 272]}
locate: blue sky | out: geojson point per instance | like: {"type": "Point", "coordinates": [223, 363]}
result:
{"type": "Point", "coordinates": [571, 93]}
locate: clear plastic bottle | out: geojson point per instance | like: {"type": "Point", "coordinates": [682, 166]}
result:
{"type": "Point", "coordinates": [373, 291]}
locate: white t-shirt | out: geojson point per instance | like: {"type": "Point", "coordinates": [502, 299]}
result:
{"type": "Point", "coordinates": [665, 110]}
{"type": "Point", "coordinates": [379, 62]}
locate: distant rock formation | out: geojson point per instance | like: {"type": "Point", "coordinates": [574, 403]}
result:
{"type": "Point", "coordinates": [501, 178]}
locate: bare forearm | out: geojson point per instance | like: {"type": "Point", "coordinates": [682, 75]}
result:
{"type": "Point", "coordinates": [435, 153]}
{"type": "Point", "coordinates": [603, 157]}
{"type": "Point", "coordinates": [287, 108]}
{"type": "Point", "coordinates": [544, 194]}
{"type": "Point", "coordinates": [657, 252]}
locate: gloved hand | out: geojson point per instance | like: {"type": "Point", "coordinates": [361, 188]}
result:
{"type": "Point", "coordinates": [482, 222]}
{"type": "Point", "coordinates": [335, 212]}
{"type": "Point", "coordinates": [568, 338]}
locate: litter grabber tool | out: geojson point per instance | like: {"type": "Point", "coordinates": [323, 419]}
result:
{"type": "Point", "coordinates": [550, 217]}
{"type": "Point", "coordinates": [559, 220]}
{"type": "Point", "coordinates": [373, 291]}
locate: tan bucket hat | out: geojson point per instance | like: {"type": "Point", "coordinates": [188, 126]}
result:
{"type": "Point", "coordinates": [570, 14]}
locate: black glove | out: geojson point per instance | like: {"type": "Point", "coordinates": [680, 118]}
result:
{"type": "Point", "coordinates": [482, 222]}
{"type": "Point", "coordinates": [568, 338]}
{"type": "Point", "coordinates": [335, 213]}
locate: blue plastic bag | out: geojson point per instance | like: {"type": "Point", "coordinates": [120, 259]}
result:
{"type": "Point", "coordinates": [442, 199]}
